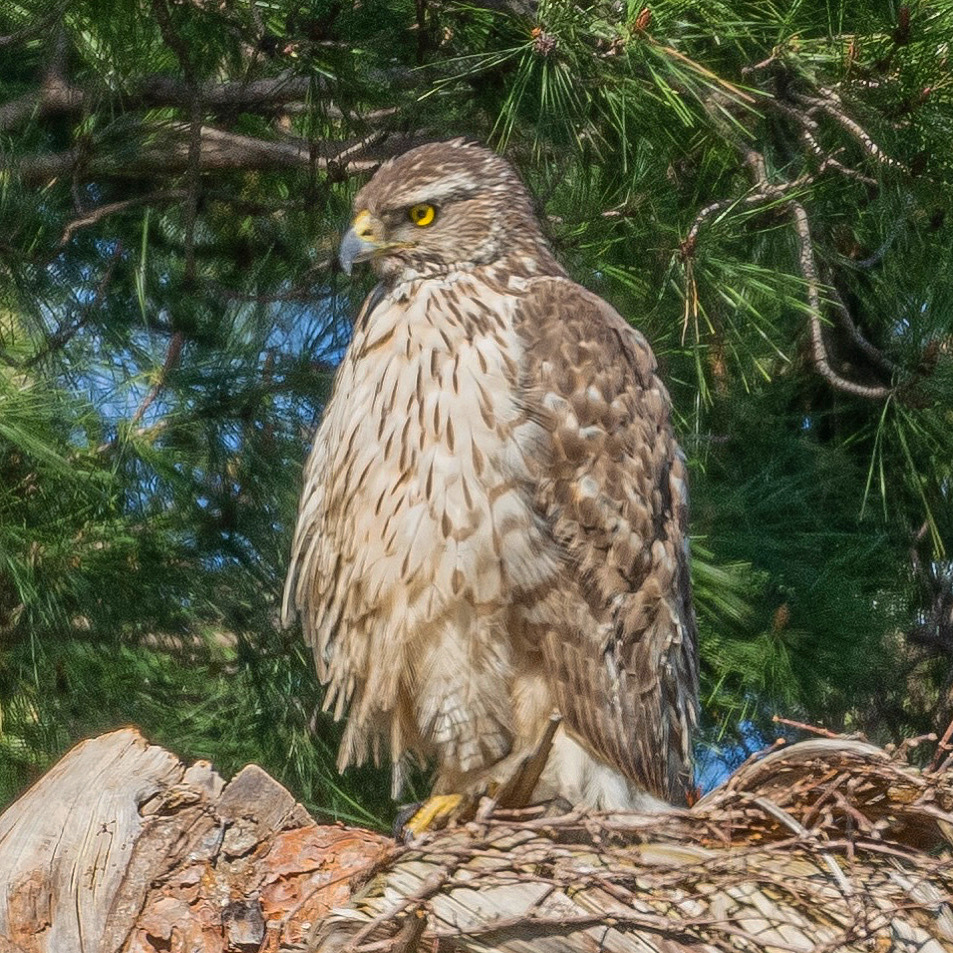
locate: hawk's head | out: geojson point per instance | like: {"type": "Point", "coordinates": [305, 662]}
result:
{"type": "Point", "coordinates": [442, 207]}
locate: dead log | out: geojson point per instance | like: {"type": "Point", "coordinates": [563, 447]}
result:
{"type": "Point", "coordinates": [827, 845]}
{"type": "Point", "coordinates": [121, 847]}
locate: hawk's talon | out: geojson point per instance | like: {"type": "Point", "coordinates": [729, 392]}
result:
{"type": "Point", "coordinates": [405, 812]}
{"type": "Point", "coordinates": [433, 814]}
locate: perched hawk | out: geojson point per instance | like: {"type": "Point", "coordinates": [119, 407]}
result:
{"type": "Point", "coordinates": [493, 518]}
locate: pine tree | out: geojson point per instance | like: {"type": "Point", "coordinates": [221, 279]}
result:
{"type": "Point", "coordinates": [762, 188]}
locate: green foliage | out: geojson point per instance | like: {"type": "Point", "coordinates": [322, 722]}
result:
{"type": "Point", "coordinates": [742, 179]}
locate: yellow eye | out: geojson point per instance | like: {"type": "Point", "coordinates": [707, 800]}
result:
{"type": "Point", "coordinates": [422, 214]}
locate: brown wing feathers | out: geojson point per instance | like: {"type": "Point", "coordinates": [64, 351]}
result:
{"type": "Point", "coordinates": [611, 487]}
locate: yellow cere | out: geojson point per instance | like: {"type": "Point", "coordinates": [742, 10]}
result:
{"type": "Point", "coordinates": [363, 224]}
{"type": "Point", "coordinates": [422, 214]}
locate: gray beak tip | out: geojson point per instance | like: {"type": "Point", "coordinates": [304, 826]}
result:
{"type": "Point", "coordinates": [353, 249]}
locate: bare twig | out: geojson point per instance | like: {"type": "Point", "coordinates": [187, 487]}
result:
{"type": "Point", "coordinates": [110, 208]}
{"type": "Point", "coordinates": [68, 329]}
{"type": "Point", "coordinates": [808, 266]}
{"type": "Point", "coordinates": [943, 745]}
{"type": "Point", "coordinates": [857, 338]}
{"type": "Point", "coordinates": [803, 726]}
{"type": "Point", "coordinates": [220, 151]}
{"type": "Point", "coordinates": [172, 357]}
{"type": "Point", "coordinates": [830, 104]}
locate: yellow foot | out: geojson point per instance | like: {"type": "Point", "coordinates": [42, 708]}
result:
{"type": "Point", "coordinates": [433, 814]}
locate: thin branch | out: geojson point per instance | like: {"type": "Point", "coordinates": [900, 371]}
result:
{"type": "Point", "coordinates": [55, 95]}
{"type": "Point", "coordinates": [178, 46]}
{"type": "Point", "coordinates": [220, 151]}
{"type": "Point", "coordinates": [172, 357]}
{"type": "Point", "coordinates": [265, 96]}
{"type": "Point", "coordinates": [733, 90]}
{"type": "Point", "coordinates": [358, 147]}
{"type": "Point", "coordinates": [762, 196]}
{"type": "Point", "coordinates": [808, 265]}
{"type": "Point", "coordinates": [809, 132]}
{"type": "Point", "coordinates": [828, 160]}
{"type": "Point", "coordinates": [66, 332]}
{"type": "Point", "coordinates": [803, 726]}
{"type": "Point", "coordinates": [150, 432]}
{"type": "Point", "coordinates": [690, 931]}
{"type": "Point", "coordinates": [303, 290]}
{"type": "Point", "coordinates": [943, 745]}
{"type": "Point", "coordinates": [194, 179]}
{"type": "Point", "coordinates": [110, 208]}
{"type": "Point", "coordinates": [765, 63]}
{"type": "Point", "coordinates": [831, 105]}
{"type": "Point", "coordinates": [766, 191]}
{"type": "Point", "coordinates": [193, 168]}
{"type": "Point", "coordinates": [409, 904]}
{"type": "Point", "coordinates": [846, 321]}
{"type": "Point", "coordinates": [781, 815]}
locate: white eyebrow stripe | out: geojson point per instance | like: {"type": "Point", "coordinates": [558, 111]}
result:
{"type": "Point", "coordinates": [459, 186]}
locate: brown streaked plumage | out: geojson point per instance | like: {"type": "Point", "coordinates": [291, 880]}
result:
{"type": "Point", "coordinates": [494, 511]}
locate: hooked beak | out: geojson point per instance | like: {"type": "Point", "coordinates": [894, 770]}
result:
{"type": "Point", "coordinates": [362, 241]}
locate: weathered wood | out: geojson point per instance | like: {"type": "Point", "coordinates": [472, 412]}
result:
{"type": "Point", "coordinates": [828, 846]}
{"type": "Point", "coordinates": [122, 847]}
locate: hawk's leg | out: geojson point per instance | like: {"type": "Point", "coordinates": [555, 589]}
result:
{"type": "Point", "coordinates": [436, 812]}
{"type": "Point", "coordinates": [507, 784]}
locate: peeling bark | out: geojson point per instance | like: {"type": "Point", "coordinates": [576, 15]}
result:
{"type": "Point", "coordinates": [827, 846]}
{"type": "Point", "coordinates": [122, 848]}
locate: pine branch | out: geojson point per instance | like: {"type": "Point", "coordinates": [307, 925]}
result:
{"type": "Point", "coordinates": [769, 193]}
{"type": "Point", "coordinates": [219, 150]}
{"type": "Point", "coordinates": [265, 96]}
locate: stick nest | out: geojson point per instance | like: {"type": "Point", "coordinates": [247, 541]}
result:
{"type": "Point", "coordinates": [829, 844]}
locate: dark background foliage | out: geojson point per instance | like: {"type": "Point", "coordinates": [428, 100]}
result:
{"type": "Point", "coordinates": [762, 188]}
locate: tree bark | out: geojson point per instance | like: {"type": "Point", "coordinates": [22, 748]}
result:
{"type": "Point", "coordinates": [121, 847]}
{"type": "Point", "coordinates": [824, 846]}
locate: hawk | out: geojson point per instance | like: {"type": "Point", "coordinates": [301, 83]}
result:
{"type": "Point", "coordinates": [493, 520]}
